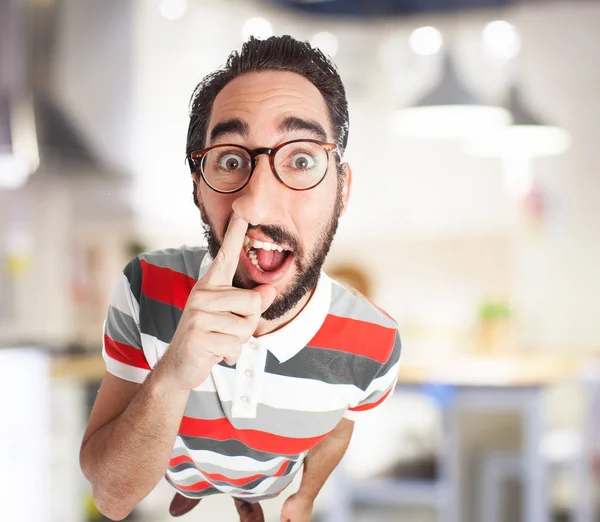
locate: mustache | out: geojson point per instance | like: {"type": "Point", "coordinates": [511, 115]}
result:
{"type": "Point", "coordinates": [279, 235]}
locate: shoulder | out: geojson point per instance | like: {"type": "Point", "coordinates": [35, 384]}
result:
{"type": "Point", "coordinates": [359, 325]}
{"type": "Point", "coordinates": [184, 260]}
{"type": "Point", "coordinates": [351, 304]}
{"type": "Point", "coordinates": [168, 264]}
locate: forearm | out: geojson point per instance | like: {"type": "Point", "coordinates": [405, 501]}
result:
{"type": "Point", "coordinates": [323, 458]}
{"type": "Point", "coordinates": [125, 459]}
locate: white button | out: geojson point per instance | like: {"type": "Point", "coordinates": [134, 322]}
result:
{"type": "Point", "coordinates": [254, 345]}
{"type": "Point", "coordinates": [248, 373]}
{"type": "Point", "coordinates": [244, 399]}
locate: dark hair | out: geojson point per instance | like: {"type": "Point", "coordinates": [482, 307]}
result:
{"type": "Point", "coordinates": [278, 53]}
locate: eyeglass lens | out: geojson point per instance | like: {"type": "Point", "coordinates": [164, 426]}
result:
{"type": "Point", "coordinates": [300, 165]}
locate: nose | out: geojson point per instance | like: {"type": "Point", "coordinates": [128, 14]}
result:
{"type": "Point", "coordinates": [262, 200]}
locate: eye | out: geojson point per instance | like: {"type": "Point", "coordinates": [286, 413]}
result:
{"type": "Point", "coordinates": [302, 161]}
{"type": "Point", "coordinates": [231, 161]}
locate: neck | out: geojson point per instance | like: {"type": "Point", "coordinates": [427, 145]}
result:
{"type": "Point", "coordinates": [264, 327]}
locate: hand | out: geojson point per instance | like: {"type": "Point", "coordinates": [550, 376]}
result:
{"type": "Point", "coordinates": [297, 508]}
{"type": "Point", "coordinates": [217, 318]}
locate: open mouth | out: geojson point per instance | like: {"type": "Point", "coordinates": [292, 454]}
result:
{"type": "Point", "coordinates": [266, 256]}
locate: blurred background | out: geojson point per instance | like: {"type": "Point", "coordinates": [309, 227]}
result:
{"type": "Point", "coordinates": [473, 221]}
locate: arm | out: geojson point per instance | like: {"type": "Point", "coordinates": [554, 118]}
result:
{"type": "Point", "coordinates": [318, 465]}
{"type": "Point", "coordinates": [129, 439]}
{"type": "Point", "coordinates": [133, 427]}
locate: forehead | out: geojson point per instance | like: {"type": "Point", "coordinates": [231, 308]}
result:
{"type": "Point", "coordinates": [265, 98]}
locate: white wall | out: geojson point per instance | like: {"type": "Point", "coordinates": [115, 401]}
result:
{"type": "Point", "coordinates": [409, 191]}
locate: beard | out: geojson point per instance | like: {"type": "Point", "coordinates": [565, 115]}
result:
{"type": "Point", "coordinates": [308, 266]}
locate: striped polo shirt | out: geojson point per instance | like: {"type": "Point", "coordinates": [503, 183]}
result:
{"type": "Point", "coordinates": [247, 428]}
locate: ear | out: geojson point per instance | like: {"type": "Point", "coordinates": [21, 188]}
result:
{"type": "Point", "coordinates": [347, 186]}
{"type": "Point", "coordinates": [196, 177]}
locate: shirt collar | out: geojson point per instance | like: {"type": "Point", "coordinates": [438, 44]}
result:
{"type": "Point", "coordinates": [291, 338]}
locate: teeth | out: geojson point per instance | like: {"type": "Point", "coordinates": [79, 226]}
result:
{"type": "Point", "coordinates": [255, 262]}
{"type": "Point", "coordinates": [265, 245]}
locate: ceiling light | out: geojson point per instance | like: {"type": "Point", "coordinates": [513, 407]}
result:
{"type": "Point", "coordinates": [327, 42]}
{"type": "Point", "coordinates": [258, 27]}
{"type": "Point", "coordinates": [448, 111]}
{"type": "Point", "coordinates": [426, 41]}
{"type": "Point", "coordinates": [501, 40]}
{"type": "Point", "coordinates": [173, 9]}
{"type": "Point", "coordinates": [528, 136]}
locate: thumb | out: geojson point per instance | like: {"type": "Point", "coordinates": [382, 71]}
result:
{"type": "Point", "coordinates": [268, 294]}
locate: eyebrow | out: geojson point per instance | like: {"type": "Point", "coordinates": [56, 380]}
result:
{"type": "Point", "coordinates": [289, 124]}
{"type": "Point", "coordinates": [293, 123]}
{"type": "Point", "coordinates": [232, 126]}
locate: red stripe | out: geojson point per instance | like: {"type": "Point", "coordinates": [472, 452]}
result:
{"type": "Point", "coordinates": [356, 337]}
{"type": "Point", "coordinates": [125, 353]}
{"type": "Point", "coordinates": [221, 429]}
{"type": "Point", "coordinates": [198, 486]}
{"type": "Point", "coordinates": [166, 285]}
{"type": "Point", "coordinates": [215, 477]}
{"type": "Point", "coordinates": [175, 461]}
{"type": "Point", "coordinates": [370, 405]}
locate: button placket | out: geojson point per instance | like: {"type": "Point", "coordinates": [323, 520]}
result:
{"type": "Point", "coordinates": [247, 380]}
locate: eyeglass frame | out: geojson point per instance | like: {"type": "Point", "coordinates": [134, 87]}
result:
{"type": "Point", "coordinates": [198, 156]}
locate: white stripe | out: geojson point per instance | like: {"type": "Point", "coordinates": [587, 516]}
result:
{"type": "Point", "coordinates": [124, 301]}
{"type": "Point", "coordinates": [293, 393]}
{"type": "Point", "coordinates": [385, 381]}
{"type": "Point", "coordinates": [262, 488]}
{"type": "Point", "coordinates": [266, 485]}
{"type": "Point", "coordinates": [124, 371]}
{"type": "Point", "coordinates": [237, 463]}
{"type": "Point", "coordinates": [185, 474]}
{"type": "Point", "coordinates": [154, 349]}
{"type": "Point", "coordinates": [381, 384]}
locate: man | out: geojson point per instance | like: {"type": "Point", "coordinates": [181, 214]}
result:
{"type": "Point", "coordinates": [232, 367]}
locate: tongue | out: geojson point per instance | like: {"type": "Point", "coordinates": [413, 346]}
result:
{"type": "Point", "coordinates": [270, 260]}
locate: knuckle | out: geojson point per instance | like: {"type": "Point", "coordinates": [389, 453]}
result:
{"type": "Point", "coordinates": [198, 321]}
{"type": "Point", "coordinates": [235, 345]}
{"type": "Point", "coordinates": [255, 300]}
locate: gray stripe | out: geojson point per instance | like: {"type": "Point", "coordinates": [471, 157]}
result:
{"type": "Point", "coordinates": [325, 365]}
{"type": "Point", "coordinates": [194, 494]}
{"type": "Point", "coordinates": [347, 302]}
{"type": "Point", "coordinates": [182, 466]}
{"type": "Point", "coordinates": [133, 273]}
{"type": "Point", "coordinates": [185, 260]}
{"type": "Point", "coordinates": [278, 484]}
{"type": "Point", "coordinates": [231, 473]}
{"type": "Point", "coordinates": [321, 364]}
{"type": "Point", "coordinates": [122, 328]}
{"type": "Point", "coordinates": [393, 358]}
{"type": "Point", "coordinates": [286, 423]}
{"type": "Point", "coordinates": [231, 448]}
{"type": "Point", "coordinates": [374, 397]}
{"type": "Point", "coordinates": [251, 484]}
{"type": "Point", "coordinates": [254, 500]}
{"type": "Point", "coordinates": [158, 319]}
{"type": "Point", "coordinates": [257, 482]}
{"type": "Point", "coordinates": [205, 405]}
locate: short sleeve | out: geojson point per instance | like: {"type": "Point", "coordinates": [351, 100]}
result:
{"type": "Point", "coordinates": [381, 386]}
{"type": "Point", "coordinates": [122, 344]}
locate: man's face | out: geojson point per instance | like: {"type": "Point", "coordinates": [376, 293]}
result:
{"type": "Point", "coordinates": [264, 109]}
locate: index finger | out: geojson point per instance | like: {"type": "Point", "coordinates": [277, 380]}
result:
{"type": "Point", "coordinates": [223, 268]}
